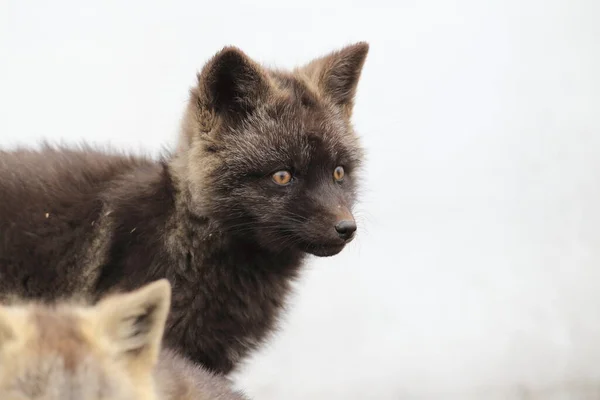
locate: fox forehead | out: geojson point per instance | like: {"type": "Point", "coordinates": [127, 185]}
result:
{"type": "Point", "coordinates": [51, 336]}
{"type": "Point", "coordinates": [49, 376]}
{"type": "Point", "coordinates": [289, 135]}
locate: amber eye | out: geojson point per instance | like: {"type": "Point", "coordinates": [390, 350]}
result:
{"type": "Point", "coordinates": [338, 174]}
{"type": "Point", "coordinates": [282, 177]}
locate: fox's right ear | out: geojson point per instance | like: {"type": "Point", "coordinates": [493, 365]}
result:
{"type": "Point", "coordinates": [231, 84]}
{"type": "Point", "coordinates": [134, 322]}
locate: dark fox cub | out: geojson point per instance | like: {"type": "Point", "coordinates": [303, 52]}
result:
{"type": "Point", "coordinates": [265, 173]}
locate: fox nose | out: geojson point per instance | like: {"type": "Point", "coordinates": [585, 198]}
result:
{"type": "Point", "coordinates": [346, 229]}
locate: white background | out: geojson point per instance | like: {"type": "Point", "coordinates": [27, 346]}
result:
{"type": "Point", "coordinates": [477, 270]}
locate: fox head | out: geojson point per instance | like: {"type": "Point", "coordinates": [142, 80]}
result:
{"type": "Point", "coordinates": [272, 154]}
{"type": "Point", "coordinates": [68, 352]}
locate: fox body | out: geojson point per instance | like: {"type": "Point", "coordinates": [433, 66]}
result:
{"type": "Point", "coordinates": [109, 351]}
{"type": "Point", "coordinates": [265, 172]}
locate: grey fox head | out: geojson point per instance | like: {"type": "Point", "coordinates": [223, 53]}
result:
{"type": "Point", "coordinates": [71, 352]}
{"type": "Point", "coordinates": [272, 154]}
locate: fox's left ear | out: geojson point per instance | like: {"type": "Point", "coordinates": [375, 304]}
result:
{"type": "Point", "coordinates": [337, 73]}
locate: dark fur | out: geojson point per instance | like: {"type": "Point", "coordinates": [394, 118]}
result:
{"type": "Point", "coordinates": [208, 217]}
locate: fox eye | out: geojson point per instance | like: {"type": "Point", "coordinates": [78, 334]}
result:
{"type": "Point", "coordinates": [338, 174]}
{"type": "Point", "coordinates": [282, 178]}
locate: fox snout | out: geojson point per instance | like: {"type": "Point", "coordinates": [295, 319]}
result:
{"type": "Point", "coordinates": [346, 229]}
{"type": "Point", "coordinates": [345, 225]}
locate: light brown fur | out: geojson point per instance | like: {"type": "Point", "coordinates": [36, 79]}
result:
{"type": "Point", "coordinates": [110, 351]}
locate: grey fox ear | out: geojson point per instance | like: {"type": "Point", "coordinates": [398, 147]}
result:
{"type": "Point", "coordinates": [134, 322]}
{"type": "Point", "coordinates": [231, 84]}
{"type": "Point", "coordinates": [337, 74]}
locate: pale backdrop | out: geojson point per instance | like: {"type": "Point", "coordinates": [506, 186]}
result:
{"type": "Point", "coordinates": [476, 274]}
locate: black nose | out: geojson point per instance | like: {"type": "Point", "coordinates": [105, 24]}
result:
{"type": "Point", "coordinates": [346, 229]}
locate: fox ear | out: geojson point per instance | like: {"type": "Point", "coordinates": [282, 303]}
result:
{"type": "Point", "coordinates": [134, 322]}
{"type": "Point", "coordinates": [231, 84]}
{"type": "Point", "coordinates": [337, 74]}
